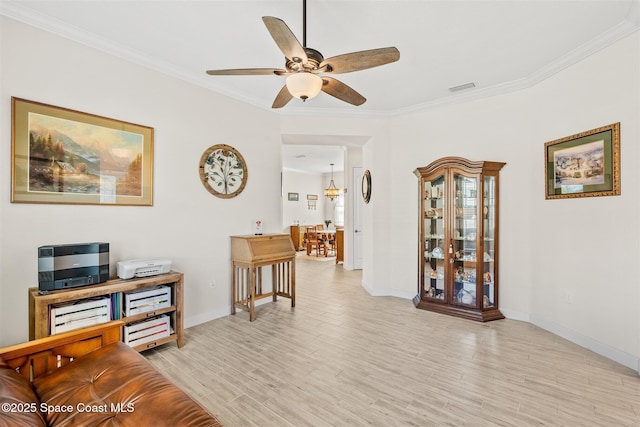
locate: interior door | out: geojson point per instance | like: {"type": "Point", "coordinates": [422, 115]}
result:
{"type": "Point", "coordinates": [358, 205]}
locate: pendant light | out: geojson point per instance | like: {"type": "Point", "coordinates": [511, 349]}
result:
{"type": "Point", "coordinates": [332, 191]}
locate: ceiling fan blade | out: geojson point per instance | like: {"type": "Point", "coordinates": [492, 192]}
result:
{"type": "Point", "coordinates": [361, 60]}
{"type": "Point", "coordinates": [284, 38]}
{"type": "Point", "coordinates": [247, 72]}
{"type": "Point", "coordinates": [282, 98]}
{"type": "Point", "coordinates": [341, 91]}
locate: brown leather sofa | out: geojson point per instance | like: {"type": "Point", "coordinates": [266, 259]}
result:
{"type": "Point", "coordinates": [89, 378]}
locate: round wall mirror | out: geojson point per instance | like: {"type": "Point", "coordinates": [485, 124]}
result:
{"type": "Point", "coordinates": [366, 186]}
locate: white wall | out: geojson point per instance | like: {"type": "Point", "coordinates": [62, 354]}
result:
{"type": "Point", "coordinates": [570, 266]}
{"type": "Point", "coordinates": [303, 183]}
{"type": "Point", "coordinates": [186, 223]}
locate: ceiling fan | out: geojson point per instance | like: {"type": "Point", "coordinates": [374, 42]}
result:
{"type": "Point", "coordinates": [304, 66]}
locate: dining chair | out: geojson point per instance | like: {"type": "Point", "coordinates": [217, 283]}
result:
{"type": "Point", "coordinates": [314, 241]}
{"type": "Point", "coordinates": [331, 241]}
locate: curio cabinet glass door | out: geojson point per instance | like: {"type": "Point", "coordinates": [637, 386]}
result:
{"type": "Point", "coordinates": [458, 243]}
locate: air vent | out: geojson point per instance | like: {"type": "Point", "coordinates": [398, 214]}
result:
{"type": "Point", "coordinates": [462, 87]}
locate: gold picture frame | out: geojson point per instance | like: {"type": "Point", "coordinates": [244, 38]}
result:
{"type": "Point", "coordinates": [64, 156]}
{"type": "Point", "coordinates": [586, 164]}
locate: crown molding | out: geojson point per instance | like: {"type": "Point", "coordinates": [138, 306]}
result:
{"type": "Point", "coordinates": [38, 20]}
{"type": "Point", "coordinates": [613, 35]}
{"type": "Point", "coordinates": [630, 25]}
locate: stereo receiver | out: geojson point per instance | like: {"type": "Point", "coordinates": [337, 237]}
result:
{"type": "Point", "coordinates": [72, 266]}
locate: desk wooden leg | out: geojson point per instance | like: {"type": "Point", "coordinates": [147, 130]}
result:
{"type": "Point", "coordinates": [293, 282]}
{"type": "Point", "coordinates": [252, 293]}
{"type": "Point", "coordinates": [234, 284]}
{"type": "Point", "coordinates": [274, 281]}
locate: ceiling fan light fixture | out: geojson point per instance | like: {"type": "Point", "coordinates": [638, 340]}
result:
{"type": "Point", "coordinates": [304, 85]}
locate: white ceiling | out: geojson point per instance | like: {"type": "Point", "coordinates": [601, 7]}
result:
{"type": "Point", "coordinates": [316, 153]}
{"type": "Point", "coordinates": [499, 45]}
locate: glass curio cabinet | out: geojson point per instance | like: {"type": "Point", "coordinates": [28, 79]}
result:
{"type": "Point", "coordinates": [458, 243]}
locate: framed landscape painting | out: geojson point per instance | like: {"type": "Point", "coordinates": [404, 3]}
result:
{"type": "Point", "coordinates": [66, 156]}
{"type": "Point", "coordinates": [584, 165]}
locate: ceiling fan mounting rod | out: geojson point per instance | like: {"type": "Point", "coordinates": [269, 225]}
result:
{"type": "Point", "coordinates": [304, 23]}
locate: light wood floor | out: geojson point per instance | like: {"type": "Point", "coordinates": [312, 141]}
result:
{"type": "Point", "coordinates": [344, 358]}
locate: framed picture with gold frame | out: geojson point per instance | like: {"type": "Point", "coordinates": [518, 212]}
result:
{"type": "Point", "coordinates": [59, 155]}
{"type": "Point", "coordinates": [586, 164]}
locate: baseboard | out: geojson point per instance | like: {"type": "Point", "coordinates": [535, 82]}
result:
{"type": "Point", "coordinates": [515, 315]}
{"type": "Point", "coordinates": [589, 343]}
{"type": "Point", "coordinates": [388, 292]}
{"type": "Point", "coordinates": [597, 347]}
{"type": "Point", "coordinates": [190, 321]}
{"type": "Point", "coordinates": [223, 312]}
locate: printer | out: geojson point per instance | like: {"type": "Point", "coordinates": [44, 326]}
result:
{"type": "Point", "coordinates": [143, 267]}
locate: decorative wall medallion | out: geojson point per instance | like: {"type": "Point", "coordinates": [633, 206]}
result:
{"type": "Point", "coordinates": [223, 171]}
{"type": "Point", "coordinates": [366, 186]}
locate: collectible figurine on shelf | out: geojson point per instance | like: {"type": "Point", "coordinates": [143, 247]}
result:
{"type": "Point", "coordinates": [487, 277]}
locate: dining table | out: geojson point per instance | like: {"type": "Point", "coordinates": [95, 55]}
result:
{"type": "Point", "coordinates": [326, 235]}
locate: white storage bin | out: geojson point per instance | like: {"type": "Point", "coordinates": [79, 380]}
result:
{"type": "Point", "coordinates": [147, 330]}
{"type": "Point", "coordinates": [73, 315]}
{"type": "Point", "coordinates": [137, 302]}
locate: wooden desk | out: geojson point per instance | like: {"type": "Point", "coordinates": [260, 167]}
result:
{"type": "Point", "coordinates": [248, 255]}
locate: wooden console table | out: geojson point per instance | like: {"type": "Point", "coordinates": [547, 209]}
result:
{"type": "Point", "coordinates": [248, 255]}
{"type": "Point", "coordinates": [116, 289]}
